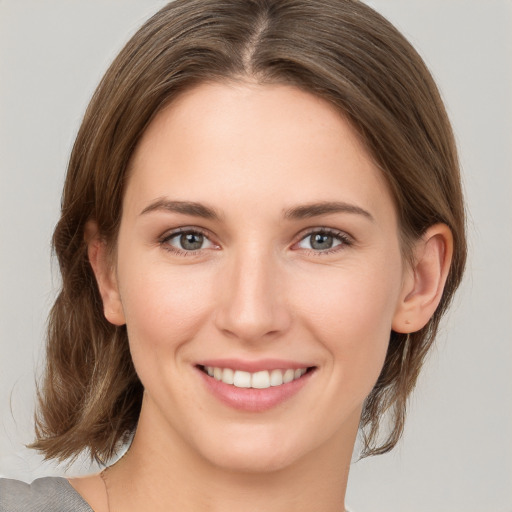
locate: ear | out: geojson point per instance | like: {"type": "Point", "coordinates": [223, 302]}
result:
{"type": "Point", "coordinates": [105, 274]}
{"type": "Point", "coordinates": [424, 282]}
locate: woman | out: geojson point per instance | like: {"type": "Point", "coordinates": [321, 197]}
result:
{"type": "Point", "coordinates": [262, 225]}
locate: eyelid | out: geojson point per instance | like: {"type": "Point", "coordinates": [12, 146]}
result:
{"type": "Point", "coordinates": [168, 235]}
{"type": "Point", "coordinates": [184, 229]}
{"type": "Point", "coordinates": [346, 239]}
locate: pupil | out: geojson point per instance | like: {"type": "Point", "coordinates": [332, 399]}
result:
{"type": "Point", "coordinates": [191, 241]}
{"type": "Point", "coordinates": [321, 241]}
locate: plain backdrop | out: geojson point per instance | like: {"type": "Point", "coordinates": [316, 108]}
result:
{"type": "Point", "coordinates": [456, 454]}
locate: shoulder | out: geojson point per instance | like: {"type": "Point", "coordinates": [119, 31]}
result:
{"type": "Point", "coordinates": [42, 495]}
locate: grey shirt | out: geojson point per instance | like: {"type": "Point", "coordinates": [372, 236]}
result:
{"type": "Point", "coordinates": [42, 495]}
{"type": "Point", "coordinates": [47, 494]}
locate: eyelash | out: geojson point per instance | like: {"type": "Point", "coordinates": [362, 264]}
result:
{"type": "Point", "coordinates": [343, 238]}
{"type": "Point", "coordinates": [165, 239]}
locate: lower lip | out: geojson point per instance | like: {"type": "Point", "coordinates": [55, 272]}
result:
{"type": "Point", "coordinates": [251, 399]}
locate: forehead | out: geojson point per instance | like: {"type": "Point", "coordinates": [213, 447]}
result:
{"type": "Point", "coordinates": [243, 140]}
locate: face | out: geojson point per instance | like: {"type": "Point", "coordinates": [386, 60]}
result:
{"type": "Point", "coordinates": [258, 272]}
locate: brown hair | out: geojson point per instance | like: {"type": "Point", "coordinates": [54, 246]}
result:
{"type": "Point", "coordinates": [339, 50]}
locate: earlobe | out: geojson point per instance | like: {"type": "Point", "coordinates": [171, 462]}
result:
{"type": "Point", "coordinates": [105, 274]}
{"type": "Point", "coordinates": [424, 283]}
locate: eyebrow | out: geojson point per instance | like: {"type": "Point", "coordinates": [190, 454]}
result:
{"type": "Point", "coordinates": [306, 211]}
{"type": "Point", "coordinates": [324, 208]}
{"type": "Point", "coordinates": [183, 207]}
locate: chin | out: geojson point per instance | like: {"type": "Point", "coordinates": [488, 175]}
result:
{"type": "Point", "coordinates": [250, 461]}
{"type": "Point", "coordinates": [256, 451]}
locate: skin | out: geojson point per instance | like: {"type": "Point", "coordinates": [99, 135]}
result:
{"type": "Point", "coordinates": [256, 289]}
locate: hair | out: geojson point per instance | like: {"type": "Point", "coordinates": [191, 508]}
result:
{"type": "Point", "coordinates": [338, 50]}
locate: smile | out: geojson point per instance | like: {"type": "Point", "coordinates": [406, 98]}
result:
{"type": "Point", "coordinates": [254, 386]}
{"type": "Point", "coordinates": [258, 380]}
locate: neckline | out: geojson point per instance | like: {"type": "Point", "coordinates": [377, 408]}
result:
{"type": "Point", "coordinates": [75, 493]}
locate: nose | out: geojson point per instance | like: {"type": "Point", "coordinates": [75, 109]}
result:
{"type": "Point", "coordinates": [252, 305]}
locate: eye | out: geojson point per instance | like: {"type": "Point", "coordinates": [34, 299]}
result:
{"type": "Point", "coordinates": [187, 241]}
{"type": "Point", "coordinates": [323, 241]}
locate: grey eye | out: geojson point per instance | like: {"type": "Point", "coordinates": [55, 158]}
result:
{"type": "Point", "coordinates": [321, 241]}
{"type": "Point", "coordinates": [189, 241]}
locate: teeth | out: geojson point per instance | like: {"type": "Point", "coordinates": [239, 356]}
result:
{"type": "Point", "coordinates": [258, 380]}
{"type": "Point", "coordinates": [276, 378]}
{"type": "Point", "coordinates": [242, 379]}
{"type": "Point", "coordinates": [228, 376]}
{"type": "Point", "coordinates": [288, 376]}
{"type": "Point", "coordinates": [299, 372]}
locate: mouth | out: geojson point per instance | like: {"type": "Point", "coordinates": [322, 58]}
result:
{"type": "Point", "coordinates": [263, 379]}
{"type": "Point", "coordinates": [254, 386]}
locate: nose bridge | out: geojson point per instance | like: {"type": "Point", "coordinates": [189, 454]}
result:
{"type": "Point", "coordinates": [252, 305]}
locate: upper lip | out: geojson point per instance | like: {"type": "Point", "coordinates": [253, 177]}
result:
{"type": "Point", "coordinates": [254, 366]}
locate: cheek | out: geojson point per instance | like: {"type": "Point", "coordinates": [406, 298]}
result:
{"type": "Point", "coordinates": [350, 311]}
{"type": "Point", "coordinates": [164, 307]}
{"type": "Point", "coordinates": [351, 299]}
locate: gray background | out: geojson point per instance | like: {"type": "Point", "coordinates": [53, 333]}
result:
{"type": "Point", "coordinates": [456, 454]}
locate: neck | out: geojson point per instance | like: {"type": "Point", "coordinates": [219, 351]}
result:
{"type": "Point", "coordinates": [161, 472]}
